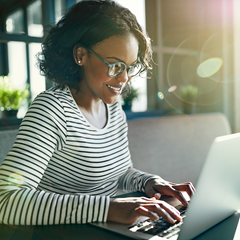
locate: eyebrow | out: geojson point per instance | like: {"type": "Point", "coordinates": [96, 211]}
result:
{"type": "Point", "coordinates": [120, 60]}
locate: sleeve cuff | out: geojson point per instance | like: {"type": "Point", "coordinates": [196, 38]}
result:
{"type": "Point", "coordinates": [150, 178]}
{"type": "Point", "coordinates": [107, 203]}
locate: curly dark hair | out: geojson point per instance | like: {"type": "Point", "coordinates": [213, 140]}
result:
{"type": "Point", "coordinates": [87, 23]}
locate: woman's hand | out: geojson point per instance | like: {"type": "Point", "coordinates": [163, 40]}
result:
{"type": "Point", "coordinates": [157, 187]}
{"type": "Point", "coordinates": [128, 210]}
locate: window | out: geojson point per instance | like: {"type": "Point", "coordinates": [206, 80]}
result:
{"type": "Point", "coordinates": [14, 22]}
{"type": "Point", "coordinates": [19, 46]}
{"type": "Point", "coordinates": [18, 68]}
{"type": "Point", "coordinates": [37, 82]}
{"type": "Point", "coordinates": [60, 6]}
{"type": "Point", "coordinates": [34, 19]}
{"type": "Point", "coordinates": [140, 104]}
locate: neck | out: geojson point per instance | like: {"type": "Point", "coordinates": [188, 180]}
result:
{"type": "Point", "coordinates": [94, 110]}
{"type": "Point", "coordinates": [87, 102]}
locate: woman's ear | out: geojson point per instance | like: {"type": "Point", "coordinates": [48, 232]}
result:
{"type": "Point", "coordinates": [78, 54]}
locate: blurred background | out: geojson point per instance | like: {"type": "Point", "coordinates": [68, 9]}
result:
{"type": "Point", "coordinates": [196, 49]}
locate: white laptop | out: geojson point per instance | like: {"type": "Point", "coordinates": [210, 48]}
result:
{"type": "Point", "coordinates": [217, 196]}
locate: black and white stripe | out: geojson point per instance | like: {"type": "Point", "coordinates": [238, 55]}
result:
{"type": "Point", "coordinates": [63, 170]}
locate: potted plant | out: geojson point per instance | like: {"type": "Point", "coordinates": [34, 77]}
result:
{"type": "Point", "coordinates": [128, 99]}
{"type": "Point", "coordinates": [11, 98]}
{"type": "Point", "coordinates": [189, 95]}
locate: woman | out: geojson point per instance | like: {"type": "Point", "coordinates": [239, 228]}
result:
{"type": "Point", "coordinates": [71, 153]}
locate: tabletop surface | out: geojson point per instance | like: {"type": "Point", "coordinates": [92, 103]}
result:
{"type": "Point", "coordinates": [225, 230]}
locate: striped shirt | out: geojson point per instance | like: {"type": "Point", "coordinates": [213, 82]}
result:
{"type": "Point", "coordinates": [63, 170]}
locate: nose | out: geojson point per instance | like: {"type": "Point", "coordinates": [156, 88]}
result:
{"type": "Point", "coordinates": [123, 78]}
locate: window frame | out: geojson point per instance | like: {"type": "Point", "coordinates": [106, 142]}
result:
{"type": "Point", "coordinates": [48, 17]}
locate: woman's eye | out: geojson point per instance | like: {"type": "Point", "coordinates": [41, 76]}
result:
{"type": "Point", "coordinates": [118, 65]}
{"type": "Point", "coordinates": [112, 70]}
{"type": "Point", "coordinates": [131, 70]}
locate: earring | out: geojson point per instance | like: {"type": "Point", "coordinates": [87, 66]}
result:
{"type": "Point", "coordinates": [79, 61]}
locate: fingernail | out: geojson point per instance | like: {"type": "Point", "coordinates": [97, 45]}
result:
{"type": "Point", "coordinates": [157, 195]}
{"type": "Point", "coordinates": [179, 218]}
{"type": "Point", "coordinates": [172, 220]}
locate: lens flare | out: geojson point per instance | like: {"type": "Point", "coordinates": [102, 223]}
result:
{"type": "Point", "coordinates": [172, 88]}
{"type": "Point", "coordinates": [209, 67]}
{"type": "Point", "coordinates": [160, 95]}
{"type": "Point", "coordinates": [16, 179]}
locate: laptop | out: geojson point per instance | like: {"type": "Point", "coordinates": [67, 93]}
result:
{"type": "Point", "coordinates": [217, 197]}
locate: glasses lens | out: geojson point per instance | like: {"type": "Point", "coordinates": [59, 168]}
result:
{"type": "Point", "coordinates": [134, 70]}
{"type": "Point", "coordinates": [116, 69]}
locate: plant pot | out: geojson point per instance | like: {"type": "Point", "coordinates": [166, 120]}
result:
{"type": "Point", "coordinates": [127, 107]}
{"type": "Point", "coordinates": [189, 108]}
{"type": "Point", "coordinates": [9, 114]}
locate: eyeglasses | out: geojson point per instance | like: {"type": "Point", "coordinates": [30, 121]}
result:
{"type": "Point", "coordinates": [117, 68]}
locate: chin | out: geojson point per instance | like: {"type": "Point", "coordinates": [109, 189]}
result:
{"type": "Point", "coordinates": [110, 101]}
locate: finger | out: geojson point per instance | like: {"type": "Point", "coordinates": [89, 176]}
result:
{"type": "Point", "coordinates": [149, 199]}
{"type": "Point", "coordinates": [190, 191]}
{"type": "Point", "coordinates": [169, 215]}
{"type": "Point", "coordinates": [181, 198]}
{"type": "Point", "coordinates": [182, 184]}
{"type": "Point", "coordinates": [177, 194]}
{"type": "Point", "coordinates": [189, 184]}
{"type": "Point", "coordinates": [165, 210]}
{"type": "Point", "coordinates": [142, 211]}
{"type": "Point", "coordinates": [154, 193]}
{"type": "Point", "coordinates": [157, 196]}
{"type": "Point", "coordinates": [174, 213]}
{"type": "Point", "coordinates": [146, 198]}
{"type": "Point", "coordinates": [187, 187]}
{"type": "Point", "coordinates": [170, 190]}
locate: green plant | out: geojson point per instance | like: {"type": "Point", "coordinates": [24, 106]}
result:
{"type": "Point", "coordinates": [11, 98]}
{"type": "Point", "coordinates": [189, 93]}
{"type": "Point", "coordinates": [134, 94]}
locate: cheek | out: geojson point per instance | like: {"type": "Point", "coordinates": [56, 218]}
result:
{"type": "Point", "coordinates": [98, 73]}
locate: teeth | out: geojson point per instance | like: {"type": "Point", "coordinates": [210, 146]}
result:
{"type": "Point", "coordinates": [114, 88]}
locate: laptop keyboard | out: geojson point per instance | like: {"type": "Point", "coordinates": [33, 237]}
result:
{"type": "Point", "coordinates": [160, 227]}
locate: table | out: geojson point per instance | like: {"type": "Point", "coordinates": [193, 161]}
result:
{"type": "Point", "coordinates": [225, 230]}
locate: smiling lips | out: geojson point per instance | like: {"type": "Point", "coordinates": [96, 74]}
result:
{"type": "Point", "coordinates": [115, 89]}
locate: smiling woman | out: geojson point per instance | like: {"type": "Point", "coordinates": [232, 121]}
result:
{"type": "Point", "coordinates": [71, 152]}
{"type": "Point", "coordinates": [98, 79]}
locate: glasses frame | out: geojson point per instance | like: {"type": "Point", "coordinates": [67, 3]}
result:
{"type": "Point", "coordinates": [111, 64]}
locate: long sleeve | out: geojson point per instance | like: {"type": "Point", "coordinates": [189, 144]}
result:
{"type": "Point", "coordinates": [42, 132]}
{"type": "Point", "coordinates": [135, 180]}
